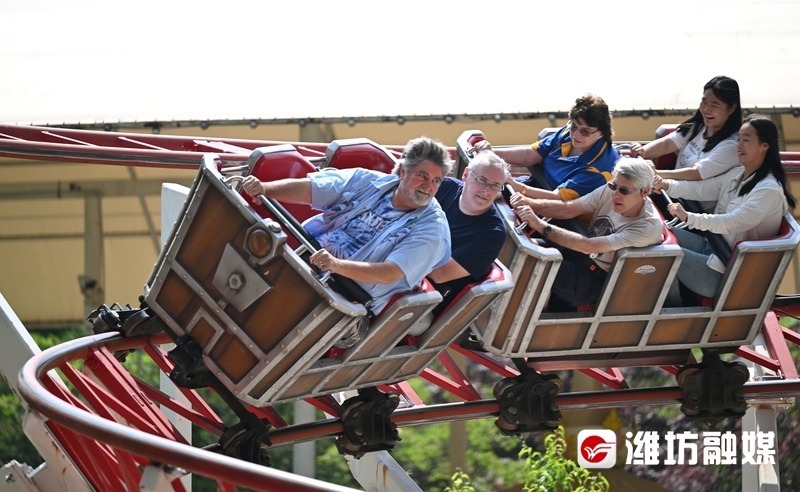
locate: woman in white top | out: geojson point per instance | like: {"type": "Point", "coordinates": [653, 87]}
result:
{"type": "Point", "coordinates": [706, 142]}
{"type": "Point", "coordinates": [751, 200]}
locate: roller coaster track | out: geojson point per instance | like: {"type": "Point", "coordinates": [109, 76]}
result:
{"type": "Point", "coordinates": [102, 419]}
{"type": "Point", "coordinates": [113, 426]}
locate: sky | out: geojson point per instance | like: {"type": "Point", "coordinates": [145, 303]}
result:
{"type": "Point", "coordinates": [89, 61]}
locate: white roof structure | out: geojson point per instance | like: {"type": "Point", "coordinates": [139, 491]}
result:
{"type": "Point", "coordinates": [91, 62]}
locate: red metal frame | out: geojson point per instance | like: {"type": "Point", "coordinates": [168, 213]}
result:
{"type": "Point", "coordinates": [120, 428]}
{"type": "Point", "coordinates": [135, 149]}
{"type": "Point", "coordinates": [113, 426]}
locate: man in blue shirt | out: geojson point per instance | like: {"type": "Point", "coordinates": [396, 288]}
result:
{"type": "Point", "coordinates": [384, 231]}
{"type": "Point", "coordinates": [477, 231]}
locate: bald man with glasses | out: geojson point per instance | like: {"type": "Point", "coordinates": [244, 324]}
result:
{"type": "Point", "coordinates": [477, 231]}
{"type": "Point", "coordinates": [622, 216]}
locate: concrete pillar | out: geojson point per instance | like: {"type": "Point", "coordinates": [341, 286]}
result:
{"type": "Point", "coordinates": [304, 454]}
{"type": "Point", "coordinates": [92, 282]}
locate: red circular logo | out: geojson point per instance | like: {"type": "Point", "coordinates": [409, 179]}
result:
{"type": "Point", "coordinates": [594, 449]}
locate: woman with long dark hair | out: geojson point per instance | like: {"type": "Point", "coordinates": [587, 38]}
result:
{"type": "Point", "coordinates": [706, 142]}
{"type": "Point", "coordinates": [751, 200]}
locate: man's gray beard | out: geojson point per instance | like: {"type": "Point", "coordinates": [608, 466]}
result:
{"type": "Point", "coordinates": [419, 199]}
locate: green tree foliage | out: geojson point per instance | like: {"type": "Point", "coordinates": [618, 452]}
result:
{"type": "Point", "coordinates": [460, 483]}
{"type": "Point", "coordinates": [14, 445]}
{"type": "Point", "coordinates": [548, 471]}
{"type": "Point", "coordinates": [424, 453]}
{"type": "Point", "coordinates": [551, 471]}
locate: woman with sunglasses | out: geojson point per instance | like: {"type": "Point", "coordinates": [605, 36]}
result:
{"type": "Point", "coordinates": [752, 199]}
{"type": "Point", "coordinates": [706, 142]}
{"type": "Point", "coordinates": [576, 159]}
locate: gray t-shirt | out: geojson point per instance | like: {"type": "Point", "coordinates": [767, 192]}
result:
{"type": "Point", "coordinates": [643, 230]}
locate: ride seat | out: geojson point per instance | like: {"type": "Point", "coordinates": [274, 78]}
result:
{"type": "Point", "coordinates": [756, 268]}
{"type": "Point", "coordinates": [389, 354]}
{"type": "Point", "coordinates": [377, 358]}
{"type": "Point", "coordinates": [469, 304]}
{"type": "Point", "coordinates": [228, 279]}
{"type": "Point", "coordinates": [278, 162]}
{"type": "Point", "coordinates": [666, 161]}
{"type": "Point", "coordinates": [734, 315]}
{"type": "Point", "coordinates": [359, 152]}
{"type": "Point", "coordinates": [464, 153]}
{"type": "Point", "coordinates": [785, 232]}
{"type": "Point", "coordinates": [639, 293]}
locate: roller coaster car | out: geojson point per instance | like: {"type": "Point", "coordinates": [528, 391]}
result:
{"type": "Point", "coordinates": [265, 321]}
{"type": "Point", "coordinates": [629, 325]}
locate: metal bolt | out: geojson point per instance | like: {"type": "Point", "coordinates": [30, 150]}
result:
{"type": "Point", "coordinates": [236, 281]}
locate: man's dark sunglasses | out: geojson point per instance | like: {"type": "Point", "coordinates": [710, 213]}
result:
{"type": "Point", "coordinates": [622, 190]}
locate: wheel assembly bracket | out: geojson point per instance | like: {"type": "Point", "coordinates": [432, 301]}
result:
{"type": "Point", "coordinates": [367, 423]}
{"type": "Point", "coordinates": [528, 402]}
{"type": "Point", "coordinates": [713, 389]}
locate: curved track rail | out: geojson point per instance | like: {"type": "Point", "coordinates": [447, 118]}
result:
{"type": "Point", "coordinates": [131, 444]}
{"type": "Point", "coordinates": [112, 426]}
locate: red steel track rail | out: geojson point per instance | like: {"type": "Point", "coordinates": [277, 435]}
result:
{"type": "Point", "coordinates": [116, 423]}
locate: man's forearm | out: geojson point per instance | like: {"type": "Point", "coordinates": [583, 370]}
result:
{"type": "Point", "coordinates": [386, 272]}
{"type": "Point", "coordinates": [555, 209]}
{"type": "Point", "coordinates": [293, 190]}
{"type": "Point", "coordinates": [522, 156]}
{"type": "Point", "coordinates": [569, 239]}
{"type": "Point", "coordinates": [447, 272]}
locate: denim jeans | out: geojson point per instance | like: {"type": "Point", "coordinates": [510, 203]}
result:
{"type": "Point", "coordinates": [693, 272]}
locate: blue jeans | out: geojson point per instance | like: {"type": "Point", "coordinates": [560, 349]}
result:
{"type": "Point", "coordinates": [693, 273]}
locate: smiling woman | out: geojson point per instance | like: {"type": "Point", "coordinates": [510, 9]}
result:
{"type": "Point", "coordinates": [752, 199]}
{"type": "Point", "coordinates": [706, 142]}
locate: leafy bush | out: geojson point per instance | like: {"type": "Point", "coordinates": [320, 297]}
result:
{"type": "Point", "coordinates": [460, 483]}
{"type": "Point", "coordinates": [546, 471]}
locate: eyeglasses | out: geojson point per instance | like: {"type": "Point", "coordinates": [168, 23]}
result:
{"type": "Point", "coordinates": [585, 132]}
{"type": "Point", "coordinates": [622, 190]}
{"type": "Point", "coordinates": [484, 183]}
